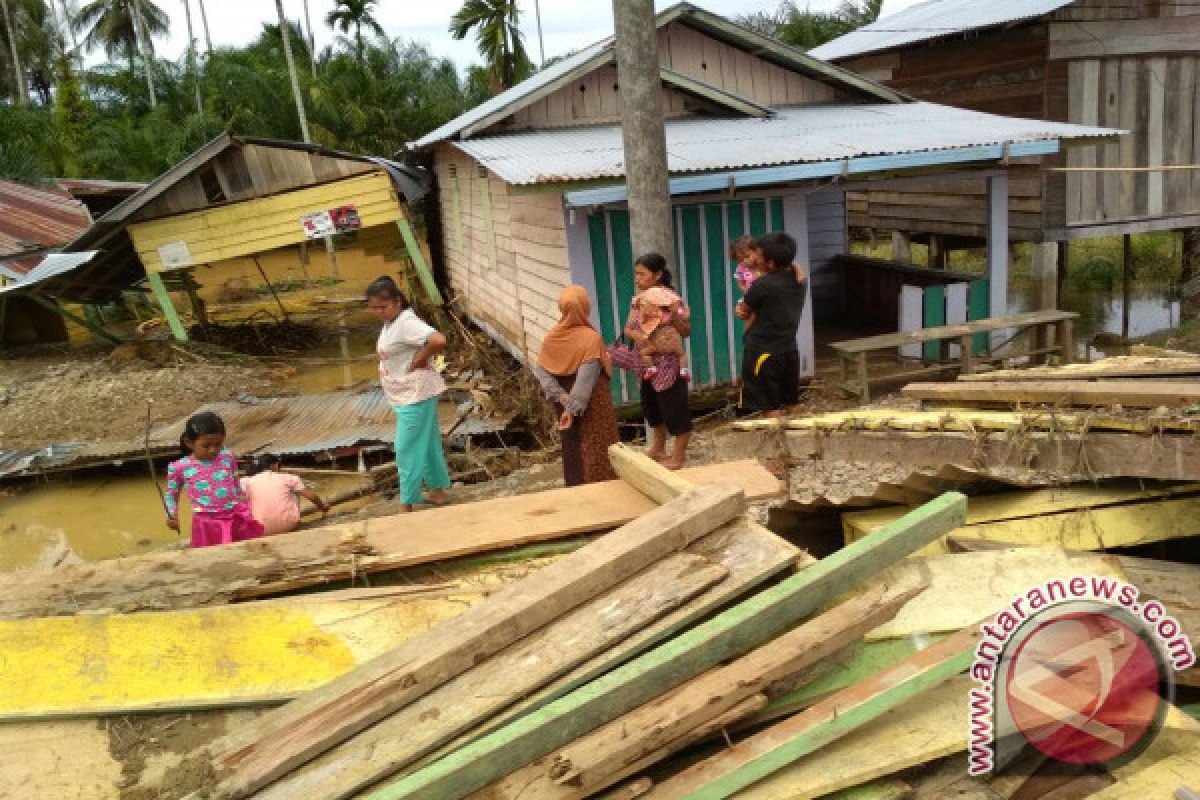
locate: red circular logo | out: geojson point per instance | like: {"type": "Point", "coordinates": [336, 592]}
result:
{"type": "Point", "coordinates": [1083, 687]}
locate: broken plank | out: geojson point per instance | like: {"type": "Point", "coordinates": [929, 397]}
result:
{"type": "Point", "coordinates": [602, 756]}
{"type": "Point", "coordinates": [743, 627]}
{"type": "Point", "coordinates": [1127, 393]}
{"type": "Point", "coordinates": [301, 730]}
{"type": "Point", "coordinates": [776, 747]}
{"type": "Point", "coordinates": [647, 475]}
{"type": "Point", "coordinates": [1069, 457]}
{"type": "Point", "coordinates": [972, 419]}
{"type": "Point", "coordinates": [1088, 518]}
{"type": "Point", "coordinates": [752, 554]}
{"type": "Point", "coordinates": [277, 564]}
{"type": "Point", "coordinates": [65, 760]}
{"type": "Point", "coordinates": [430, 721]}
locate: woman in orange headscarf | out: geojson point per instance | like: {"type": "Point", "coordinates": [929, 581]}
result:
{"type": "Point", "coordinates": [574, 371]}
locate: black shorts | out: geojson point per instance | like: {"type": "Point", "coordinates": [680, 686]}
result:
{"type": "Point", "coordinates": [770, 381]}
{"type": "Point", "coordinates": [668, 408]}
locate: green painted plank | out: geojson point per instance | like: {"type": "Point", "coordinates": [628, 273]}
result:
{"type": "Point", "coordinates": [737, 630]}
{"type": "Point", "coordinates": [978, 307]}
{"type": "Point", "coordinates": [618, 222]}
{"type": "Point", "coordinates": [777, 214]}
{"type": "Point", "coordinates": [758, 218]}
{"type": "Point", "coordinates": [720, 284]}
{"type": "Point", "coordinates": [693, 278]}
{"type": "Point", "coordinates": [933, 314]}
{"type": "Point", "coordinates": [597, 233]}
{"type": "Point", "coordinates": [735, 217]}
{"type": "Point", "coordinates": [417, 257]}
{"type": "Point", "coordinates": [792, 740]}
{"type": "Point", "coordinates": [61, 310]}
{"type": "Point", "coordinates": [168, 308]}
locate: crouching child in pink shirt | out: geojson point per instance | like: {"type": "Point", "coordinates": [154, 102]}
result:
{"type": "Point", "coordinates": [274, 496]}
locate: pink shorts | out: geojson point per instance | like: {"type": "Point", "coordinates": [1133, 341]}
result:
{"type": "Point", "coordinates": [223, 527]}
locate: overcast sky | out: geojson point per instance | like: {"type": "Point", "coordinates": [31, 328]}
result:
{"type": "Point", "coordinates": [566, 24]}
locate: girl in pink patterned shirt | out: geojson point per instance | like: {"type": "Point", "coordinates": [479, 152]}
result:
{"type": "Point", "coordinates": [208, 474]}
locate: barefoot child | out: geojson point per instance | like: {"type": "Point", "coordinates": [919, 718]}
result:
{"type": "Point", "coordinates": [274, 496]}
{"type": "Point", "coordinates": [663, 357]}
{"type": "Point", "coordinates": [208, 474]}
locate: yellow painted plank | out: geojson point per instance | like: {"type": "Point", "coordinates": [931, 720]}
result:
{"type": "Point", "coordinates": [1159, 779]}
{"type": "Point", "coordinates": [953, 419]}
{"type": "Point", "coordinates": [1080, 518]}
{"type": "Point", "coordinates": [261, 224]}
{"type": "Point", "coordinates": [964, 588]}
{"type": "Point", "coordinates": [225, 656]}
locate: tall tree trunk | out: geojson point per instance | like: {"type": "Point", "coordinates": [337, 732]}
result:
{"type": "Point", "coordinates": [204, 22]}
{"type": "Point", "coordinates": [537, 13]}
{"type": "Point", "coordinates": [147, 52]}
{"type": "Point", "coordinates": [18, 73]}
{"type": "Point", "coordinates": [291, 65]}
{"type": "Point", "coordinates": [642, 128]}
{"type": "Point", "coordinates": [312, 42]}
{"type": "Point", "coordinates": [69, 22]}
{"type": "Point", "coordinates": [191, 54]}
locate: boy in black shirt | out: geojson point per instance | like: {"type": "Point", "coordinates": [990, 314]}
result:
{"type": "Point", "coordinates": [775, 303]}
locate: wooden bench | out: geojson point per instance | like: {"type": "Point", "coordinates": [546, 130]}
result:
{"type": "Point", "coordinates": [857, 350]}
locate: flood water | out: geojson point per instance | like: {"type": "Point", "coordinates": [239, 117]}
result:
{"type": "Point", "coordinates": [1152, 308]}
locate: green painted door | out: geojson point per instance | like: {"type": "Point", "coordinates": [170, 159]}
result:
{"type": "Point", "coordinates": [704, 276]}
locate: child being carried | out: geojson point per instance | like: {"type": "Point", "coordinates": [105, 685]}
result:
{"type": "Point", "coordinates": [663, 357]}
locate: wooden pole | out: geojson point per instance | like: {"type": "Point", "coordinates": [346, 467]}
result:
{"type": "Point", "coordinates": [642, 128]}
{"type": "Point", "coordinates": [1126, 280]}
{"type": "Point", "coordinates": [168, 308]}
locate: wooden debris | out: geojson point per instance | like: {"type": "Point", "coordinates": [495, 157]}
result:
{"type": "Point", "coordinates": [1159, 779]}
{"type": "Point", "coordinates": [1085, 518]}
{"type": "Point", "coordinates": [1065, 456]}
{"type": "Point", "coordinates": [647, 475]}
{"type": "Point", "coordinates": [1126, 393]}
{"type": "Point", "coordinates": [601, 757]}
{"type": "Point", "coordinates": [278, 564]}
{"type": "Point", "coordinates": [301, 730]}
{"type": "Point", "coordinates": [1133, 366]}
{"type": "Point", "coordinates": [971, 420]}
{"type": "Point", "coordinates": [434, 719]}
{"type": "Point", "coordinates": [734, 631]}
{"type": "Point", "coordinates": [778, 746]}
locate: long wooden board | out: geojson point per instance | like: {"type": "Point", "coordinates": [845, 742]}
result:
{"type": "Point", "coordinates": [215, 575]}
{"type": "Point", "coordinates": [734, 631]}
{"type": "Point", "coordinates": [1128, 393]}
{"type": "Point", "coordinates": [1114, 367]}
{"type": "Point", "coordinates": [301, 730]}
{"type": "Point", "coordinates": [1068, 457]}
{"type": "Point", "coordinates": [1090, 518]}
{"type": "Point", "coordinates": [971, 420]}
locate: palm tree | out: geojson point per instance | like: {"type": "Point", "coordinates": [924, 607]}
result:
{"type": "Point", "coordinates": [312, 42]}
{"type": "Point", "coordinates": [204, 22]}
{"type": "Point", "coordinates": [498, 37]}
{"type": "Point", "coordinates": [356, 14]}
{"type": "Point", "coordinates": [18, 72]}
{"type": "Point", "coordinates": [125, 27]}
{"type": "Point", "coordinates": [284, 29]}
{"type": "Point", "coordinates": [191, 57]}
{"type": "Point", "coordinates": [147, 50]}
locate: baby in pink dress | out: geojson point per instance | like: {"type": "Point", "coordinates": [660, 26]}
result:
{"type": "Point", "coordinates": [208, 474]}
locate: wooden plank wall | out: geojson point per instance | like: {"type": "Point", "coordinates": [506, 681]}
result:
{"type": "Point", "coordinates": [511, 271]}
{"type": "Point", "coordinates": [826, 240]}
{"type": "Point", "coordinates": [595, 99]}
{"type": "Point", "coordinates": [241, 173]}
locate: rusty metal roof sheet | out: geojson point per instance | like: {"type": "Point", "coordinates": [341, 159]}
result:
{"type": "Point", "coordinates": [33, 219]}
{"type": "Point", "coordinates": [931, 20]}
{"type": "Point", "coordinates": [800, 135]}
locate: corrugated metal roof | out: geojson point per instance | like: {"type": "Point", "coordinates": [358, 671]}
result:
{"type": "Point", "coordinates": [809, 134]}
{"type": "Point", "coordinates": [930, 20]}
{"type": "Point", "coordinates": [283, 425]}
{"type": "Point", "coordinates": [49, 267]}
{"type": "Point", "coordinates": [33, 219]}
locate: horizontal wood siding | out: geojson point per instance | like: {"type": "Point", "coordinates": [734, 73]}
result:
{"type": "Point", "coordinates": [826, 240]}
{"type": "Point", "coordinates": [1091, 10]}
{"type": "Point", "coordinates": [515, 291]}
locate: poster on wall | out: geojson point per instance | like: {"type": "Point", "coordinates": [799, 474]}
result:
{"type": "Point", "coordinates": [175, 255]}
{"type": "Point", "coordinates": [320, 224]}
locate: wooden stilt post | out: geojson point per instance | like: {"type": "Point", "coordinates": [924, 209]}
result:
{"type": "Point", "coordinates": [1126, 280]}
{"type": "Point", "coordinates": [997, 251]}
{"type": "Point", "coordinates": [901, 247]}
{"type": "Point", "coordinates": [168, 308]}
{"type": "Point", "coordinates": [78, 320]}
{"type": "Point", "coordinates": [1045, 280]}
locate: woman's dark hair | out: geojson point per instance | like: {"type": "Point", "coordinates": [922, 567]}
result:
{"type": "Point", "coordinates": [263, 463]}
{"type": "Point", "coordinates": [384, 286]}
{"type": "Point", "coordinates": [202, 424]}
{"type": "Point", "coordinates": [657, 264]}
{"type": "Point", "coordinates": [778, 250]}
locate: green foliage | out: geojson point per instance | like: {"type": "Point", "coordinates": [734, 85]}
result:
{"type": "Point", "coordinates": [496, 24]}
{"type": "Point", "coordinates": [808, 29]}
